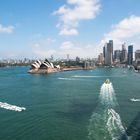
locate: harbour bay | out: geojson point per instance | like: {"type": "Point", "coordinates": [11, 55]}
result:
{"type": "Point", "coordinates": [59, 105]}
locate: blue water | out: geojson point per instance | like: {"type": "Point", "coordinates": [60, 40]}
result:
{"type": "Point", "coordinates": [60, 106]}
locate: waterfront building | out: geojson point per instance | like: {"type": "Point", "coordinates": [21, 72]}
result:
{"type": "Point", "coordinates": [117, 55]}
{"type": "Point", "coordinates": [123, 57]}
{"type": "Point", "coordinates": [89, 65]}
{"type": "Point", "coordinates": [36, 64]}
{"type": "Point", "coordinates": [137, 56]}
{"type": "Point", "coordinates": [104, 51]}
{"type": "Point", "coordinates": [101, 59]}
{"type": "Point", "coordinates": [109, 53]}
{"type": "Point", "coordinates": [130, 54]}
{"type": "Point", "coordinates": [111, 47]}
{"type": "Point", "coordinates": [43, 65]}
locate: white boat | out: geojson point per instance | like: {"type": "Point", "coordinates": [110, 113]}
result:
{"type": "Point", "coordinates": [12, 107]}
{"type": "Point", "coordinates": [107, 81]}
{"type": "Point", "coordinates": [135, 100]}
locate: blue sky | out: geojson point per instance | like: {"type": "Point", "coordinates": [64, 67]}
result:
{"type": "Point", "coordinates": [40, 28]}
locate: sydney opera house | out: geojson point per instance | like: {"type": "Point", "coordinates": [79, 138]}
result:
{"type": "Point", "coordinates": [43, 67]}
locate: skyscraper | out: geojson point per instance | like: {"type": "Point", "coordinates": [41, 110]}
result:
{"type": "Point", "coordinates": [117, 55]}
{"type": "Point", "coordinates": [100, 58]}
{"type": "Point", "coordinates": [109, 53]}
{"type": "Point", "coordinates": [104, 51]}
{"type": "Point", "coordinates": [111, 44]}
{"type": "Point", "coordinates": [130, 54]}
{"type": "Point", "coordinates": [124, 53]}
{"type": "Point", "coordinates": [137, 56]}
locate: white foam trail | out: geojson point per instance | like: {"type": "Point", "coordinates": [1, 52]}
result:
{"type": "Point", "coordinates": [105, 122]}
{"type": "Point", "coordinates": [83, 76]}
{"type": "Point", "coordinates": [12, 107]}
{"type": "Point", "coordinates": [114, 124]}
{"type": "Point", "coordinates": [60, 78]}
{"type": "Point", "coordinates": [107, 95]}
{"type": "Point", "coordinates": [135, 100]}
{"type": "Point", "coordinates": [91, 76]}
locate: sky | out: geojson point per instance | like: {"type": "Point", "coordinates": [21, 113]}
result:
{"type": "Point", "coordinates": [37, 29]}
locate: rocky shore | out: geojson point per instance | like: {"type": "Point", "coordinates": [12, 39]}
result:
{"type": "Point", "coordinates": [43, 71]}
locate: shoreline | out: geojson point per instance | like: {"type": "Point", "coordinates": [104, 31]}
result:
{"type": "Point", "coordinates": [53, 70]}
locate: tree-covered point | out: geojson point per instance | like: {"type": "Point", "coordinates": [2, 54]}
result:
{"type": "Point", "coordinates": [14, 64]}
{"type": "Point", "coordinates": [69, 64]}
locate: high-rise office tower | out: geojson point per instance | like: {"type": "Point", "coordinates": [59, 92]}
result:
{"type": "Point", "coordinates": [100, 58]}
{"type": "Point", "coordinates": [117, 55]}
{"type": "Point", "coordinates": [109, 53]}
{"type": "Point", "coordinates": [124, 53]}
{"type": "Point", "coordinates": [104, 51]}
{"type": "Point", "coordinates": [111, 44]}
{"type": "Point", "coordinates": [137, 54]}
{"type": "Point", "coordinates": [130, 54]}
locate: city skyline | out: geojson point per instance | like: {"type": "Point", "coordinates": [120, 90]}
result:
{"type": "Point", "coordinates": [39, 29]}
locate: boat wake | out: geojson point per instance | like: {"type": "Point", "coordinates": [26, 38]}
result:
{"type": "Point", "coordinates": [105, 122]}
{"type": "Point", "coordinates": [12, 107]}
{"type": "Point", "coordinates": [86, 76]}
{"type": "Point", "coordinates": [91, 76]}
{"type": "Point", "coordinates": [60, 78]}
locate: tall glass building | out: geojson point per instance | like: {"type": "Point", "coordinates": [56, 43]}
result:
{"type": "Point", "coordinates": [124, 53]}
{"type": "Point", "coordinates": [130, 54]}
{"type": "Point", "coordinates": [108, 52]}
{"type": "Point", "coordinates": [117, 55]}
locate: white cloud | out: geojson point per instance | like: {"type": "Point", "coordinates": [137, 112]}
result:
{"type": "Point", "coordinates": [8, 29]}
{"type": "Point", "coordinates": [73, 12]}
{"type": "Point", "coordinates": [50, 40]}
{"type": "Point", "coordinates": [66, 31]}
{"type": "Point", "coordinates": [66, 45]}
{"type": "Point", "coordinates": [43, 42]}
{"type": "Point", "coordinates": [76, 49]}
{"type": "Point", "coordinates": [40, 53]}
{"type": "Point", "coordinates": [43, 48]}
{"type": "Point", "coordinates": [127, 30]}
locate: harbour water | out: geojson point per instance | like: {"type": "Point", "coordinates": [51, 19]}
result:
{"type": "Point", "coordinates": [72, 105]}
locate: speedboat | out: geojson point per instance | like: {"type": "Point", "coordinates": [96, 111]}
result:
{"type": "Point", "coordinates": [135, 100]}
{"type": "Point", "coordinates": [107, 81]}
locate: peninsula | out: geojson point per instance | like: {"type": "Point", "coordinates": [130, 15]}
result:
{"type": "Point", "coordinates": [46, 67]}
